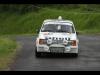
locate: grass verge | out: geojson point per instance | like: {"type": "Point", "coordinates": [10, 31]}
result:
{"type": "Point", "coordinates": [7, 52]}
{"type": "Point", "coordinates": [14, 23]}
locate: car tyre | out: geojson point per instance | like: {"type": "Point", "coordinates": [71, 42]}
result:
{"type": "Point", "coordinates": [37, 54]}
{"type": "Point", "coordinates": [75, 54]}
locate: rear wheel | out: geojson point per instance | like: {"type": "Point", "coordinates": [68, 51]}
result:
{"type": "Point", "coordinates": [37, 54]}
{"type": "Point", "coordinates": [75, 54]}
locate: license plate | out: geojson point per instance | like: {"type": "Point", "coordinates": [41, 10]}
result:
{"type": "Point", "coordinates": [57, 49]}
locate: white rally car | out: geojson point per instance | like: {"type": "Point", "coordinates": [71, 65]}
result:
{"type": "Point", "coordinates": [57, 36]}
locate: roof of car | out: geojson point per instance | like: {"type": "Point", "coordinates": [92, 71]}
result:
{"type": "Point", "coordinates": [57, 21]}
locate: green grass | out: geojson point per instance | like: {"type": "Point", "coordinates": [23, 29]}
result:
{"type": "Point", "coordinates": [13, 23]}
{"type": "Point", "coordinates": [7, 52]}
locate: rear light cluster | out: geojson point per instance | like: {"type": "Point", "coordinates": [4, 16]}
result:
{"type": "Point", "coordinates": [42, 41]}
{"type": "Point", "coordinates": [73, 43]}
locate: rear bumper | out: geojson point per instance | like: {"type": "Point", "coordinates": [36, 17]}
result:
{"type": "Point", "coordinates": [45, 48]}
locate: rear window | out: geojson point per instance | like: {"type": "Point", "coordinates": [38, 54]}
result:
{"type": "Point", "coordinates": [58, 28]}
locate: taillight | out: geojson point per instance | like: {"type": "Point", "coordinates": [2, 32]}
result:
{"type": "Point", "coordinates": [73, 43]}
{"type": "Point", "coordinates": [42, 41]}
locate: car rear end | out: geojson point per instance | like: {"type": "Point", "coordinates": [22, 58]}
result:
{"type": "Point", "coordinates": [57, 42]}
{"type": "Point", "coordinates": [57, 45]}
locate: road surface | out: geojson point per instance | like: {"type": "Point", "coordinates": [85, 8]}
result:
{"type": "Point", "coordinates": [88, 59]}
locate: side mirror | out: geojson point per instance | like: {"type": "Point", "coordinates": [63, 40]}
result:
{"type": "Point", "coordinates": [77, 33]}
{"type": "Point", "coordinates": [37, 30]}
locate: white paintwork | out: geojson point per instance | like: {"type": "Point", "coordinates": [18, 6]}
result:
{"type": "Point", "coordinates": [43, 35]}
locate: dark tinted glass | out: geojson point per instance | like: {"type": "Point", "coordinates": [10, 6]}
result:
{"type": "Point", "coordinates": [57, 28]}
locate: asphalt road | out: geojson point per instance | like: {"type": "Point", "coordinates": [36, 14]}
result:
{"type": "Point", "coordinates": [88, 59]}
